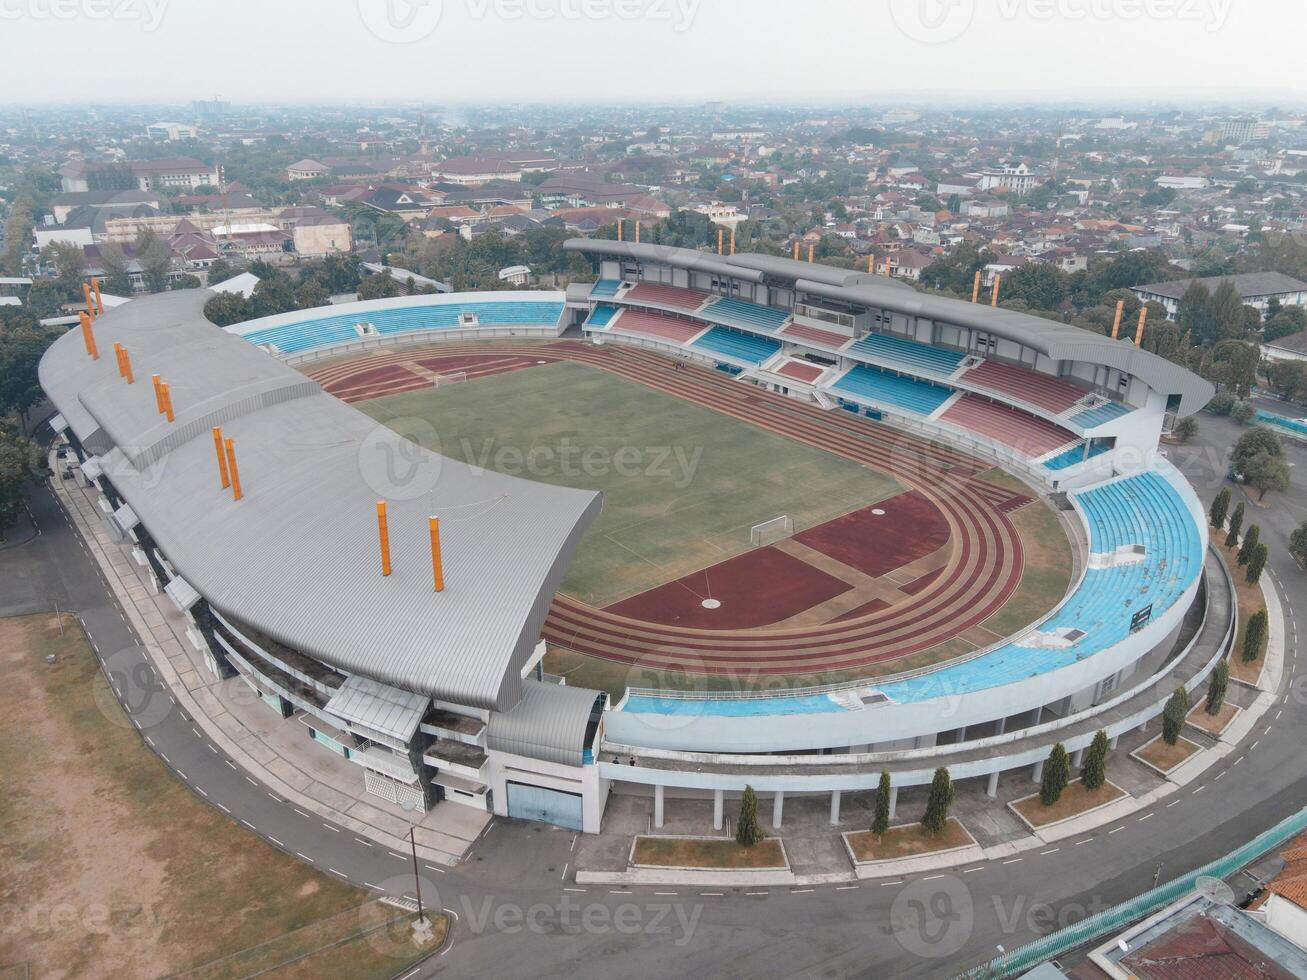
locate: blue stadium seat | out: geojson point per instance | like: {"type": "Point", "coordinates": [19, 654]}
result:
{"type": "Point", "coordinates": [1076, 454]}
{"type": "Point", "coordinates": [909, 354]}
{"type": "Point", "coordinates": [736, 346]}
{"type": "Point", "coordinates": [601, 315]}
{"type": "Point", "coordinates": [741, 313]}
{"type": "Point", "coordinates": [1091, 417]}
{"type": "Point", "coordinates": [892, 390]}
{"type": "Point", "coordinates": [605, 289]}
{"type": "Point", "coordinates": [319, 331]}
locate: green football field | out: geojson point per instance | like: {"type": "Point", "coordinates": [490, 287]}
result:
{"type": "Point", "coordinates": [682, 484]}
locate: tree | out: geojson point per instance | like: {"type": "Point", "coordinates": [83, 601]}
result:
{"type": "Point", "coordinates": [1057, 771]}
{"type": "Point", "coordinates": [1220, 508]}
{"type": "Point", "coordinates": [155, 258]}
{"type": "Point", "coordinates": [1185, 429]}
{"type": "Point", "coordinates": [1266, 474]}
{"type": "Point", "coordinates": [186, 281]}
{"type": "Point", "coordinates": [1236, 525]}
{"type": "Point", "coordinates": [22, 343]}
{"type": "Point", "coordinates": [117, 280]}
{"type": "Point", "coordinates": [21, 463]}
{"type": "Point", "coordinates": [1257, 564]}
{"type": "Point", "coordinates": [938, 802]}
{"type": "Point", "coordinates": [1193, 314]}
{"type": "Point", "coordinates": [880, 811]}
{"type": "Point", "coordinates": [1243, 413]}
{"type": "Point", "coordinates": [220, 270]}
{"type": "Point", "coordinates": [747, 831]}
{"type": "Point", "coordinates": [1094, 772]}
{"type": "Point", "coordinates": [1173, 716]}
{"type": "Point", "coordinates": [1249, 544]}
{"type": "Point", "coordinates": [378, 286]}
{"type": "Point", "coordinates": [1226, 310]}
{"type": "Point", "coordinates": [1254, 636]}
{"type": "Point", "coordinates": [1253, 442]}
{"type": "Point", "coordinates": [1298, 545]}
{"type": "Point", "coordinates": [1216, 686]}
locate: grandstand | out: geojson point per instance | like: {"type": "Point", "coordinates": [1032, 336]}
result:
{"type": "Point", "coordinates": [741, 314]}
{"type": "Point", "coordinates": [741, 348]}
{"type": "Point", "coordinates": [1101, 415]}
{"type": "Point", "coordinates": [1051, 394]}
{"type": "Point", "coordinates": [605, 289]}
{"type": "Point", "coordinates": [601, 316]}
{"type": "Point", "coordinates": [657, 326]}
{"type": "Point", "coordinates": [880, 388]}
{"type": "Point", "coordinates": [906, 355]}
{"type": "Point", "coordinates": [1075, 455]}
{"type": "Point", "coordinates": [1011, 427]}
{"type": "Point", "coordinates": [658, 294]}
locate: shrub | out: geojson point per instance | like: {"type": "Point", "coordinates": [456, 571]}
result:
{"type": "Point", "coordinates": [1255, 635]}
{"type": "Point", "coordinates": [1094, 772]}
{"type": "Point", "coordinates": [1257, 564]}
{"type": "Point", "coordinates": [1236, 525]}
{"type": "Point", "coordinates": [1221, 403]}
{"type": "Point", "coordinates": [1173, 716]}
{"type": "Point", "coordinates": [1185, 429]}
{"type": "Point", "coordinates": [1220, 509]}
{"type": "Point", "coordinates": [1298, 545]}
{"type": "Point", "coordinates": [1216, 686]}
{"type": "Point", "coordinates": [938, 802]}
{"type": "Point", "coordinates": [1243, 413]}
{"type": "Point", "coordinates": [1057, 770]}
{"type": "Point", "coordinates": [747, 831]}
{"type": "Point", "coordinates": [880, 815]}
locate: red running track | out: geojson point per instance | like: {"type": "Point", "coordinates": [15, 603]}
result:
{"type": "Point", "coordinates": [978, 578]}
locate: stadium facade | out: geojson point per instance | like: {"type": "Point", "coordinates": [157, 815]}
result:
{"type": "Point", "coordinates": [440, 695]}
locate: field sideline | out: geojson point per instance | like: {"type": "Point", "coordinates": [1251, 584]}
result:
{"type": "Point", "coordinates": [682, 484]}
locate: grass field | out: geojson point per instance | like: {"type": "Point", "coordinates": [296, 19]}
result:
{"type": "Point", "coordinates": [682, 484]}
{"type": "Point", "coordinates": [114, 868]}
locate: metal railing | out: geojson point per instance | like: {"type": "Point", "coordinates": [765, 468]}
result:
{"type": "Point", "coordinates": [1072, 937]}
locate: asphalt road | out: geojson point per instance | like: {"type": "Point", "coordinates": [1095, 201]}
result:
{"type": "Point", "coordinates": [519, 914]}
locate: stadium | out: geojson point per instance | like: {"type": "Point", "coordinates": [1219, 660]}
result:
{"type": "Point", "coordinates": [708, 521]}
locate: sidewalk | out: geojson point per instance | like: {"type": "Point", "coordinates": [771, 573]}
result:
{"type": "Point", "coordinates": [273, 751]}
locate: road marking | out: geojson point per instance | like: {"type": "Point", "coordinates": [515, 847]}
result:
{"type": "Point", "coordinates": [362, 841]}
{"type": "Point", "coordinates": [434, 868]}
{"type": "Point", "coordinates": [1199, 789]}
{"type": "Point", "coordinates": [248, 824]}
{"type": "Point", "coordinates": [746, 893]}
{"type": "Point", "coordinates": [582, 890]}
{"type": "Point", "coordinates": [210, 747]}
{"type": "Point", "coordinates": [335, 872]}
{"type": "Point", "coordinates": [1254, 745]}
{"type": "Point", "coordinates": [1053, 851]}
{"type": "Point", "coordinates": [183, 775]}
{"type": "Point", "coordinates": [616, 891]}
{"type": "Point", "coordinates": [931, 877]}
{"type": "Point", "coordinates": [1147, 816]}
{"type": "Point", "coordinates": [299, 854]}
{"type": "Point", "coordinates": [398, 857]}
{"type": "Point", "coordinates": [274, 798]}
{"type": "Point", "coordinates": [275, 841]}
{"type": "Point", "coordinates": [1172, 803]}
{"type": "Point", "coordinates": [1085, 841]}
{"type": "Point", "coordinates": [200, 790]}
{"type": "Point", "coordinates": [196, 731]}
{"type": "Point", "coordinates": [301, 812]}
{"type": "Point", "coordinates": [223, 808]}
{"type": "Point", "coordinates": [250, 781]}
{"type": "Point", "coordinates": [656, 893]}
{"type": "Point", "coordinates": [229, 764]}
{"type": "Point", "coordinates": [563, 876]}
{"type": "Point", "coordinates": [1116, 831]}
{"type": "Point", "coordinates": [1220, 774]}
{"type": "Point", "coordinates": [886, 884]}
{"type": "Point", "coordinates": [846, 888]}
{"type": "Point", "coordinates": [149, 741]}
{"type": "Point", "coordinates": [1236, 762]}
{"type": "Point", "coordinates": [374, 887]}
{"type": "Point", "coordinates": [330, 827]}
{"type": "Point", "coordinates": [165, 758]}
{"type": "Point", "coordinates": [979, 867]}
{"type": "Point", "coordinates": [793, 891]}
{"type": "Point", "coordinates": [1013, 860]}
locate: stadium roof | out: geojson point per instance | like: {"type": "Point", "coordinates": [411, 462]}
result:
{"type": "Point", "coordinates": [1059, 341]}
{"type": "Point", "coordinates": [297, 558]}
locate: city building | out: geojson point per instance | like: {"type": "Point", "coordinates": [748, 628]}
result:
{"type": "Point", "coordinates": [1257, 289]}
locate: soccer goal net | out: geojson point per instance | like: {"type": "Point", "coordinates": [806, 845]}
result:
{"type": "Point", "coordinates": [769, 532]}
{"type": "Point", "coordinates": [448, 379]}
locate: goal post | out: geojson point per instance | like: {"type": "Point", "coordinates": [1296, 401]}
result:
{"type": "Point", "coordinates": [448, 379]}
{"type": "Point", "coordinates": [769, 532]}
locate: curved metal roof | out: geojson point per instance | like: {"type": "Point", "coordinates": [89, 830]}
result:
{"type": "Point", "coordinates": [297, 558]}
{"type": "Point", "coordinates": [1059, 341]}
{"type": "Point", "coordinates": [549, 723]}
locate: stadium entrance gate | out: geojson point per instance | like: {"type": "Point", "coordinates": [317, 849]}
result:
{"type": "Point", "coordinates": [547, 805]}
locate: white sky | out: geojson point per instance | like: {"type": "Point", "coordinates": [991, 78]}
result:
{"type": "Point", "coordinates": [643, 50]}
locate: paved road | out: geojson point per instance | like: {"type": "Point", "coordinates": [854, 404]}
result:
{"type": "Point", "coordinates": [520, 915]}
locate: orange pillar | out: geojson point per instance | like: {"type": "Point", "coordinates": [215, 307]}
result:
{"type": "Point", "coordinates": [437, 566]}
{"type": "Point", "coordinates": [158, 393]}
{"type": "Point", "coordinates": [720, 233]}
{"type": "Point", "coordinates": [796, 251]}
{"type": "Point", "coordinates": [218, 450]}
{"type": "Point", "coordinates": [1139, 332]}
{"type": "Point", "coordinates": [166, 395]}
{"type": "Point", "coordinates": [975, 287]}
{"type": "Point", "coordinates": [732, 240]}
{"type": "Point", "coordinates": [88, 336]}
{"type": "Point", "coordinates": [811, 251]}
{"type": "Point", "coordinates": [383, 532]}
{"type": "Point", "coordinates": [637, 231]}
{"type": "Point", "coordinates": [236, 493]}
{"type": "Point", "coordinates": [99, 300]}
{"type": "Point", "coordinates": [1116, 324]}
{"type": "Point", "coordinates": [127, 367]}
{"type": "Point", "coordinates": [86, 295]}
{"type": "Point", "coordinates": [118, 356]}
{"type": "Point", "coordinates": [619, 229]}
{"type": "Point", "coordinates": [993, 300]}
{"type": "Point", "coordinates": [871, 264]}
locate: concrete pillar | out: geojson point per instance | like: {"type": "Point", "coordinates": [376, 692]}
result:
{"type": "Point", "coordinates": [893, 802]}
{"type": "Point", "coordinates": [1112, 742]}
{"type": "Point", "coordinates": [777, 807]}
{"type": "Point", "coordinates": [1038, 774]}
{"type": "Point", "coordinates": [717, 795]}
{"type": "Point", "coordinates": [1039, 713]}
{"type": "Point", "coordinates": [835, 808]}
{"type": "Point", "coordinates": [1002, 726]}
{"type": "Point", "coordinates": [658, 805]}
{"type": "Point", "coordinates": [992, 788]}
{"type": "Point", "coordinates": [1078, 758]}
{"type": "Point", "coordinates": [1143, 725]}
{"type": "Point", "coordinates": [962, 734]}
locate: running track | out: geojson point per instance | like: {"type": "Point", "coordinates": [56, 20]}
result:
{"type": "Point", "coordinates": [981, 574]}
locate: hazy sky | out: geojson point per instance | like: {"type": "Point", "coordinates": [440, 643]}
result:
{"type": "Point", "coordinates": [648, 50]}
